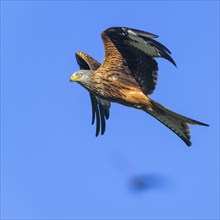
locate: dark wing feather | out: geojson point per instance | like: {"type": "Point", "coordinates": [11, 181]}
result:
{"type": "Point", "coordinates": [100, 112]}
{"type": "Point", "coordinates": [86, 62]}
{"type": "Point", "coordinates": [139, 49]}
{"type": "Point", "coordinates": [100, 107]}
{"type": "Point", "coordinates": [143, 34]}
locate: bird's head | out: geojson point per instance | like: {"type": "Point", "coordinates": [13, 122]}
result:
{"type": "Point", "coordinates": [81, 76]}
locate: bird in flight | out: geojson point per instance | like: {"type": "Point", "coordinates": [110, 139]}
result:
{"type": "Point", "coordinates": [128, 75]}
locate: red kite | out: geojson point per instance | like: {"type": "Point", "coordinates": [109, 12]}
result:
{"type": "Point", "coordinates": [128, 75]}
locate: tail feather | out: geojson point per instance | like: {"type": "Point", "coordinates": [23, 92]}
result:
{"type": "Point", "coordinates": [175, 122]}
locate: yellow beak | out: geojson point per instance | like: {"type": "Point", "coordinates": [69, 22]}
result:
{"type": "Point", "coordinates": [73, 78]}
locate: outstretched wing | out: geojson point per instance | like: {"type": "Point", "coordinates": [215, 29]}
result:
{"type": "Point", "coordinates": [100, 107]}
{"type": "Point", "coordinates": [138, 50]}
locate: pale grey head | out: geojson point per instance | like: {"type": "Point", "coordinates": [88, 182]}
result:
{"type": "Point", "coordinates": [81, 76]}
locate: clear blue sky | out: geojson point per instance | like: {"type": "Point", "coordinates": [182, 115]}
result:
{"type": "Point", "coordinates": [53, 166]}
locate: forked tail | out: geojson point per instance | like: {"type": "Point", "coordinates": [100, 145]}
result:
{"type": "Point", "coordinates": [175, 122]}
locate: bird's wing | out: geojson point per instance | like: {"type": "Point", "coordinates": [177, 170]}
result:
{"type": "Point", "coordinates": [138, 50]}
{"type": "Point", "coordinates": [100, 107]}
{"type": "Point", "coordinates": [86, 62]}
{"type": "Point", "coordinates": [100, 111]}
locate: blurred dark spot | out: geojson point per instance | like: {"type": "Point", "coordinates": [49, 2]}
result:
{"type": "Point", "coordinates": [148, 182]}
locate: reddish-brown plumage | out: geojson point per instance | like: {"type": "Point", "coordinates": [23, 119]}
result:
{"type": "Point", "coordinates": [127, 76]}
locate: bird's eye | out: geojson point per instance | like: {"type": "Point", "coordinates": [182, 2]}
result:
{"type": "Point", "coordinates": [79, 75]}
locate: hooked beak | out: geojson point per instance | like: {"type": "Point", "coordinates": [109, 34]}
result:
{"type": "Point", "coordinates": [73, 78]}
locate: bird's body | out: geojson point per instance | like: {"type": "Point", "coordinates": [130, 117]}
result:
{"type": "Point", "coordinates": [121, 88]}
{"type": "Point", "coordinates": [127, 76]}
